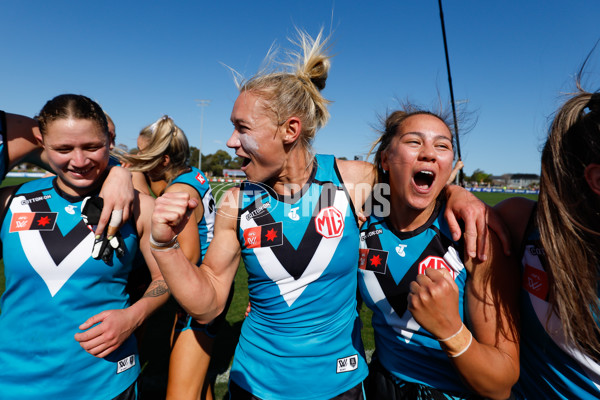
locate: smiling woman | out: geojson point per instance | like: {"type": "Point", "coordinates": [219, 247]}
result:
{"type": "Point", "coordinates": [66, 321]}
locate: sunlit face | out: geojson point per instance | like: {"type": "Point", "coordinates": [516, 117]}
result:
{"type": "Point", "coordinates": [77, 151]}
{"type": "Point", "coordinates": [419, 162]}
{"type": "Point", "coordinates": [256, 138]}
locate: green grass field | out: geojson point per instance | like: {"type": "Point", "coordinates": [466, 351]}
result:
{"type": "Point", "coordinates": [155, 342]}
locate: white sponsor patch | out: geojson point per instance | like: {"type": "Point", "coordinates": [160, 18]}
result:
{"type": "Point", "coordinates": [125, 364]}
{"type": "Point", "coordinates": [347, 364]}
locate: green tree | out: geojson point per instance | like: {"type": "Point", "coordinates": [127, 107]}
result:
{"type": "Point", "coordinates": [194, 156]}
{"type": "Point", "coordinates": [480, 176]}
{"type": "Point", "coordinates": [215, 163]}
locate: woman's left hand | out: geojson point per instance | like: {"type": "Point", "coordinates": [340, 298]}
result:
{"type": "Point", "coordinates": [117, 193]}
{"type": "Point", "coordinates": [433, 302]}
{"type": "Point", "coordinates": [105, 332]}
{"type": "Point", "coordinates": [477, 216]}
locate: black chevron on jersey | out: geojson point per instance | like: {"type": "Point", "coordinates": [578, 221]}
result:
{"type": "Point", "coordinates": [302, 256]}
{"type": "Point", "coordinates": [58, 245]}
{"type": "Point", "coordinates": [397, 294]}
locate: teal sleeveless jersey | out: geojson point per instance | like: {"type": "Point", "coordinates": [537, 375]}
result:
{"type": "Point", "coordinates": [390, 261]}
{"type": "Point", "coordinates": [550, 366]}
{"type": "Point", "coordinates": [196, 179]}
{"type": "Point", "coordinates": [302, 338]}
{"type": "Point", "coordinates": [53, 285]}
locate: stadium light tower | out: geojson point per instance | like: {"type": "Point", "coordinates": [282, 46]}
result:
{"type": "Point", "coordinates": [201, 103]}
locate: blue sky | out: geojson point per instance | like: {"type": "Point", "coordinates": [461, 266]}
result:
{"type": "Point", "coordinates": [510, 62]}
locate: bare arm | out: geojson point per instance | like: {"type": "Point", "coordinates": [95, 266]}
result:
{"type": "Point", "coordinates": [515, 212]}
{"type": "Point", "coordinates": [106, 331]}
{"type": "Point", "coordinates": [359, 178]}
{"type": "Point", "coordinates": [139, 182]}
{"type": "Point", "coordinates": [203, 291]}
{"type": "Point", "coordinates": [117, 192]}
{"type": "Point", "coordinates": [477, 216]}
{"type": "Point", "coordinates": [490, 363]}
{"type": "Point", "coordinates": [22, 144]}
{"type": "Point", "coordinates": [188, 238]}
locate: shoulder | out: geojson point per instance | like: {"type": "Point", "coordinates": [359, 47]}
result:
{"type": "Point", "coordinates": [356, 172]}
{"type": "Point", "coordinates": [183, 187]}
{"type": "Point", "coordinates": [143, 207]}
{"type": "Point", "coordinates": [516, 213]}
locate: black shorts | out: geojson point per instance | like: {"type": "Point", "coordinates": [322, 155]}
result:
{"type": "Point", "coordinates": [184, 321]}
{"type": "Point", "coordinates": [237, 393]}
{"type": "Point", "coordinates": [131, 393]}
{"type": "Point", "coordinates": [380, 384]}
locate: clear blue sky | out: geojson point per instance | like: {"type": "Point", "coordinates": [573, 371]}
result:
{"type": "Point", "coordinates": [141, 59]}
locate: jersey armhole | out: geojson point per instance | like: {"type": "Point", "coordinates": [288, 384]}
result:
{"type": "Point", "coordinates": [343, 185]}
{"type": "Point", "coordinates": [6, 195]}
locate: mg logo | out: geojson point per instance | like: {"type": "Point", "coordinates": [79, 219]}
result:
{"type": "Point", "coordinates": [435, 263]}
{"type": "Point", "coordinates": [330, 222]}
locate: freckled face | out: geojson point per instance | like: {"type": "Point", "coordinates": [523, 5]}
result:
{"type": "Point", "coordinates": [419, 161]}
{"type": "Point", "coordinates": [77, 151]}
{"type": "Point", "coordinates": [256, 138]}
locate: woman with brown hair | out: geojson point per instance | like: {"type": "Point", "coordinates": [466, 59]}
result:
{"type": "Point", "coordinates": [558, 239]}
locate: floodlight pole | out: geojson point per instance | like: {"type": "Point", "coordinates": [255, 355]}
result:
{"type": "Point", "coordinates": [201, 103]}
{"type": "Point", "coordinates": [460, 173]}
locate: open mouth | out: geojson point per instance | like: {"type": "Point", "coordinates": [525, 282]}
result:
{"type": "Point", "coordinates": [424, 179]}
{"type": "Point", "coordinates": [245, 161]}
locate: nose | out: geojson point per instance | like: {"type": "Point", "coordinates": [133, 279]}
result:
{"type": "Point", "coordinates": [79, 158]}
{"type": "Point", "coordinates": [234, 140]}
{"type": "Point", "coordinates": [427, 152]}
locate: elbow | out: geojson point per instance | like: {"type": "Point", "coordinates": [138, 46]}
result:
{"type": "Point", "coordinates": [206, 315]}
{"type": "Point", "coordinates": [501, 390]}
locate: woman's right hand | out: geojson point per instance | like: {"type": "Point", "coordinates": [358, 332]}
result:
{"type": "Point", "coordinates": [171, 212]}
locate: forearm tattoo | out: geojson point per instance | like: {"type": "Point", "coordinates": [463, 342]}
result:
{"type": "Point", "coordinates": [157, 289]}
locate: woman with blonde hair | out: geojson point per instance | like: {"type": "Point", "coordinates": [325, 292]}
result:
{"type": "Point", "coordinates": [294, 223]}
{"type": "Point", "coordinates": [162, 165]}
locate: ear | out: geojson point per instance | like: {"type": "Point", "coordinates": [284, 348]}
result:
{"type": "Point", "coordinates": [38, 136]}
{"type": "Point", "coordinates": [111, 137]}
{"type": "Point", "coordinates": [592, 177]}
{"type": "Point", "coordinates": [166, 160]}
{"type": "Point", "coordinates": [293, 127]}
{"type": "Point", "coordinates": [384, 161]}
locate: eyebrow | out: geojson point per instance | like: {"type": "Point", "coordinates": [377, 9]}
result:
{"type": "Point", "coordinates": [421, 134]}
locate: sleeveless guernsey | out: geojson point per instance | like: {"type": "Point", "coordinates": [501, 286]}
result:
{"type": "Point", "coordinates": [390, 261]}
{"type": "Point", "coordinates": [53, 285]}
{"type": "Point", "coordinates": [302, 338]}
{"type": "Point", "coordinates": [196, 179]}
{"type": "Point", "coordinates": [550, 368]}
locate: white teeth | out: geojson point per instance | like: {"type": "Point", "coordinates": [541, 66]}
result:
{"type": "Point", "coordinates": [427, 172]}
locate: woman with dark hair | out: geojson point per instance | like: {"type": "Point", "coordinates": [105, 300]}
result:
{"type": "Point", "coordinates": [66, 322]}
{"type": "Point", "coordinates": [445, 324]}
{"type": "Point", "coordinates": [18, 144]}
